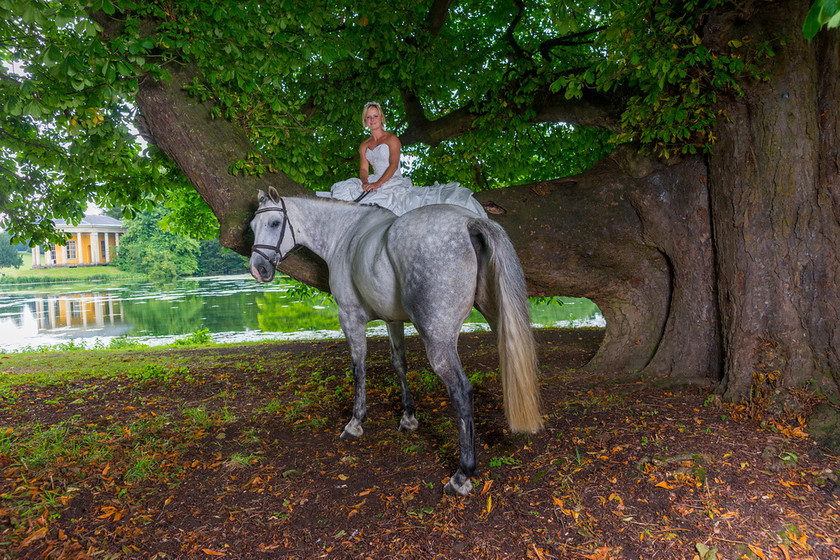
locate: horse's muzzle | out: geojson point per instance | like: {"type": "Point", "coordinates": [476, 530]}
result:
{"type": "Point", "coordinates": [261, 269]}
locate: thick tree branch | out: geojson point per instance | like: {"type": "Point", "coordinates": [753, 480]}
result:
{"type": "Point", "coordinates": [18, 139]}
{"type": "Point", "coordinates": [571, 40]}
{"type": "Point", "coordinates": [593, 110]}
{"type": "Point", "coordinates": [510, 37]}
{"type": "Point", "coordinates": [420, 129]}
{"type": "Point", "coordinates": [436, 17]}
{"type": "Point", "coordinates": [633, 235]}
{"type": "Point", "coordinates": [204, 148]}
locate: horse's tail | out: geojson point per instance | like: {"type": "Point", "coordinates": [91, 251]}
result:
{"type": "Point", "coordinates": [502, 297]}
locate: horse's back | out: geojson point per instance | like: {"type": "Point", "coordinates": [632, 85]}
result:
{"type": "Point", "coordinates": [434, 262]}
{"type": "Point", "coordinates": [429, 237]}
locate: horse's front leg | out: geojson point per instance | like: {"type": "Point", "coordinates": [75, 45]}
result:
{"type": "Point", "coordinates": [396, 334]}
{"type": "Point", "coordinates": [353, 324]}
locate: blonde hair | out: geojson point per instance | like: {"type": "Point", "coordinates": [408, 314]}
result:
{"type": "Point", "coordinates": [368, 105]}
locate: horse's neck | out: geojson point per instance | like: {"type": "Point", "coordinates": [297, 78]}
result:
{"type": "Point", "coordinates": [323, 226]}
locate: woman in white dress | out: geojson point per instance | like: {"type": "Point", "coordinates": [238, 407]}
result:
{"type": "Point", "coordinates": [387, 187]}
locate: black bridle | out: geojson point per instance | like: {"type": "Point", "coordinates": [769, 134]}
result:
{"type": "Point", "coordinates": [277, 258]}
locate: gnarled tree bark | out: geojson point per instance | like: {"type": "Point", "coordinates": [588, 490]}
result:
{"type": "Point", "coordinates": [775, 199]}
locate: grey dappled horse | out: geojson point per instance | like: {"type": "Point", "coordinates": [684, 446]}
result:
{"type": "Point", "coordinates": [428, 267]}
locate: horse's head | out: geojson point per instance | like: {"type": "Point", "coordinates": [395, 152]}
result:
{"type": "Point", "coordinates": [274, 237]}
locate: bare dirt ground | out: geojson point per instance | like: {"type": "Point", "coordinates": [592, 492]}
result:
{"type": "Point", "coordinates": [234, 452]}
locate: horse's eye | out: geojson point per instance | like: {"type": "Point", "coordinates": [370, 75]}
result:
{"type": "Point", "coordinates": [275, 223]}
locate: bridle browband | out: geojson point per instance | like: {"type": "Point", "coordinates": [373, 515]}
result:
{"type": "Point", "coordinates": [277, 258]}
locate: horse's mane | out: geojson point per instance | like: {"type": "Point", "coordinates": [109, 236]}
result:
{"type": "Point", "coordinates": [336, 201]}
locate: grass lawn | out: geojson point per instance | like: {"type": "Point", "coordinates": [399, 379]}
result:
{"type": "Point", "coordinates": [25, 274]}
{"type": "Point", "coordinates": [233, 451]}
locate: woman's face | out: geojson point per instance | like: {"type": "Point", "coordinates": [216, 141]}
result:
{"type": "Point", "coordinates": [373, 118]}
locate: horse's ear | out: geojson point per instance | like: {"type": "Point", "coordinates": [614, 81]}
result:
{"type": "Point", "coordinates": [274, 195]}
{"type": "Point", "coordinates": [260, 196]}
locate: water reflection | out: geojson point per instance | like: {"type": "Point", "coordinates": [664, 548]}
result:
{"type": "Point", "coordinates": [232, 308]}
{"type": "Point", "coordinates": [77, 312]}
{"type": "Point", "coordinates": [60, 316]}
{"type": "Point", "coordinates": [277, 314]}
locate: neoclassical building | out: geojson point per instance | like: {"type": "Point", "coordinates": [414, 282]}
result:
{"type": "Point", "coordinates": [92, 242]}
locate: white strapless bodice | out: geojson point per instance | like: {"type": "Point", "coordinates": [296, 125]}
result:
{"type": "Point", "coordinates": [380, 158]}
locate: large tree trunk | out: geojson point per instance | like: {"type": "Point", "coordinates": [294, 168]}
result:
{"type": "Point", "coordinates": [634, 237]}
{"type": "Point", "coordinates": [775, 199]}
{"type": "Point", "coordinates": [205, 148]}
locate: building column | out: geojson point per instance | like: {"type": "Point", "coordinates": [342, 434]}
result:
{"type": "Point", "coordinates": [36, 256]}
{"type": "Point", "coordinates": [94, 247]}
{"type": "Point", "coordinates": [107, 247]}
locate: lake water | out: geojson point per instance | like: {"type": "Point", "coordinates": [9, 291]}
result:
{"type": "Point", "coordinates": [232, 308]}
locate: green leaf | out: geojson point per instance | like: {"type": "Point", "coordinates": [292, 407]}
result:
{"type": "Point", "coordinates": [822, 12]}
{"type": "Point", "coordinates": [812, 21]}
{"type": "Point", "coordinates": [52, 55]}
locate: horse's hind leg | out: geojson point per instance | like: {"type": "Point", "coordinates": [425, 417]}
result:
{"type": "Point", "coordinates": [353, 325]}
{"type": "Point", "coordinates": [396, 334]}
{"type": "Point", "coordinates": [443, 357]}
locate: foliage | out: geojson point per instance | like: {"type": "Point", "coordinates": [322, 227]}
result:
{"type": "Point", "coordinates": [150, 248]}
{"type": "Point", "coordinates": [822, 13]}
{"type": "Point", "coordinates": [673, 79]}
{"type": "Point", "coordinates": [201, 336]}
{"type": "Point", "coordinates": [330, 58]}
{"type": "Point", "coordinates": [66, 136]}
{"type": "Point", "coordinates": [68, 84]}
{"type": "Point", "coordinates": [125, 343]}
{"type": "Point", "coordinates": [305, 292]}
{"type": "Point", "coordinates": [295, 75]}
{"type": "Point", "coordinates": [215, 259]}
{"type": "Point", "coordinates": [9, 257]}
{"type": "Point", "coordinates": [147, 249]}
{"type": "Point", "coordinates": [189, 215]}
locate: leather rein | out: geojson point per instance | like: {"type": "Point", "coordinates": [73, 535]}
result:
{"type": "Point", "coordinates": [277, 258]}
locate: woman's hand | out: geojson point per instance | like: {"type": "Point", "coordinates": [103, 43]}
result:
{"type": "Point", "coordinates": [370, 187]}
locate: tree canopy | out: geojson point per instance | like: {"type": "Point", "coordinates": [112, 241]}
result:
{"type": "Point", "coordinates": [507, 76]}
{"type": "Point", "coordinates": [9, 257]}
{"type": "Point", "coordinates": [162, 254]}
{"type": "Point", "coordinates": [147, 249]}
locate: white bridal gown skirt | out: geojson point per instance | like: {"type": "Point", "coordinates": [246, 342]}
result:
{"type": "Point", "coordinates": [399, 195]}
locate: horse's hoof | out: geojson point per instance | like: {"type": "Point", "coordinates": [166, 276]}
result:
{"type": "Point", "coordinates": [408, 423]}
{"type": "Point", "coordinates": [352, 431]}
{"type": "Point", "coordinates": [458, 488]}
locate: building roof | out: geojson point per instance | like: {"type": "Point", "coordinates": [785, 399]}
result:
{"type": "Point", "coordinates": [90, 220]}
